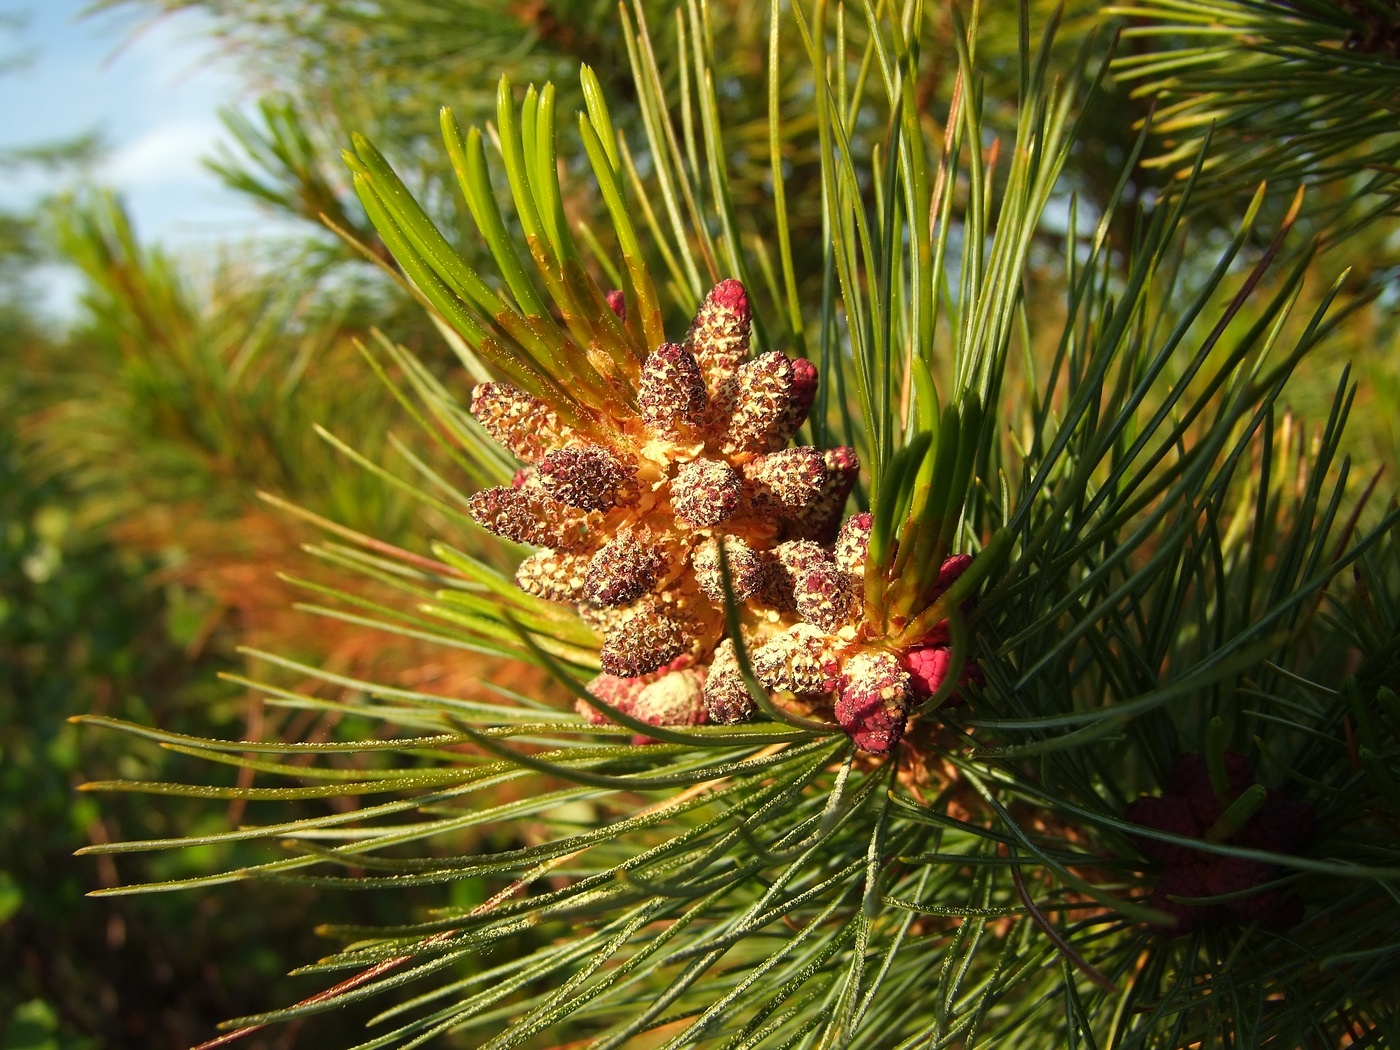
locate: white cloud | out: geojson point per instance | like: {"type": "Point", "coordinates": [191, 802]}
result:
{"type": "Point", "coordinates": [180, 56]}
{"type": "Point", "coordinates": [168, 152]}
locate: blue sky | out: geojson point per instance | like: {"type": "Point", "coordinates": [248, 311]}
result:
{"type": "Point", "coordinates": [152, 90]}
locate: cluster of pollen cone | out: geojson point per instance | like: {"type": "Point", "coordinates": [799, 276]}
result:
{"type": "Point", "coordinates": [630, 528]}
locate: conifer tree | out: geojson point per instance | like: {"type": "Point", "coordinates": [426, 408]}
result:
{"type": "Point", "coordinates": [944, 629]}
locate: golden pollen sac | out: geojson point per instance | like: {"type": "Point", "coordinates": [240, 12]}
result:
{"type": "Point", "coordinates": [524, 425]}
{"type": "Point", "coordinates": [747, 570]}
{"type": "Point", "coordinates": [820, 520]}
{"type": "Point", "coordinates": [786, 562]}
{"type": "Point", "coordinates": [852, 542]}
{"type": "Point", "coordinates": [798, 660]}
{"type": "Point", "coordinates": [674, 699]}
{"type": "Point", "coordinates": [555, 576]}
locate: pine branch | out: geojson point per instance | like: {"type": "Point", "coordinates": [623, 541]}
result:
{"type": "Point", "coordinates": [867, 782]}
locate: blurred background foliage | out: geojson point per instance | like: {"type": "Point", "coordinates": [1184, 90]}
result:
{"type": "Point", "coordinates": [136, 556]}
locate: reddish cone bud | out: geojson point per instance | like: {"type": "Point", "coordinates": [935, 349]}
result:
{"type": "Point", "coordinates": [1275, 907]}
{"type": "Point", "coordinates": [800, 397]}
{"type": "Point", "coordinates": [525, 515]}
{"type": "Point", "coordinates": [621, 693]}
{"type": "Point", "coordinates": [591, 715]}
{"type": "Point", "coordinates": [671, 389]}
{"type": "Point", "coordinates": [928, 666]}
{"type": "Point", "coordinates": [706, 492]}
{"type": "Point", "coordinates": [1282, 825]}
{"type": "Point", "coordinates": [643, 640]}
{"type": "Point", "coordinates": [727, 699]}
{"type": "Point", "coordinates": [1186, 881]}
{"type": "Point", "coordinates": [617, 303]}
{"type": "Point", "coordinates": [1190, 808]}
{"type": "Point", "coordinates": [719, 334]}
{"type": "Point", "coordinates": [826, 597]}
{"type": "Point", "coordinates": [1164, 813]}
{"type": "Point", "coordinates": [589, 477]}
{"type": "Point", "coordinates": [1189, 778]}
{"type": "Point", "coordinates": [953, 566]}
{"type": "Point", "coordinates": [785, 481]}
{"type": "Point", "coordinates": [873, 705]}
{"type": "Point", "coordinates": [821, 519]}
{"type": "Point", "coordinates": [623, 569]}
